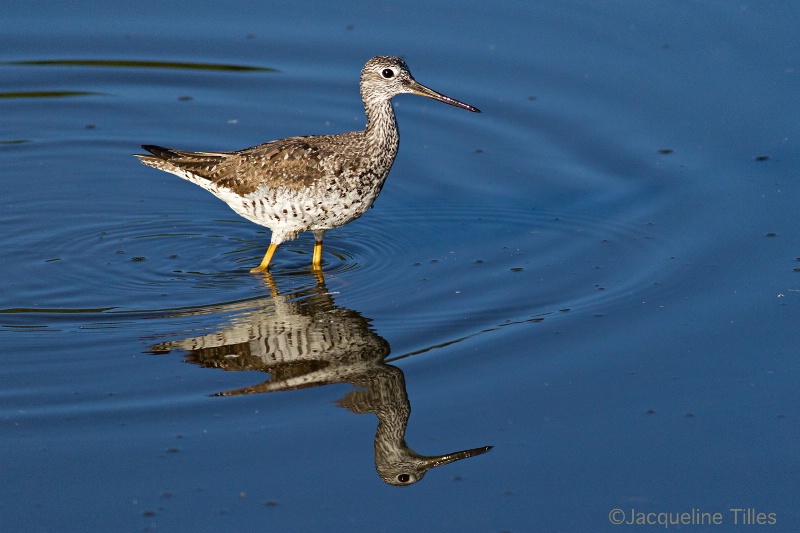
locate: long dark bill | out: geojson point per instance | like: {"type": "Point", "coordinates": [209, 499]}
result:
{"type": "Point", "coordinates": [418, 88]}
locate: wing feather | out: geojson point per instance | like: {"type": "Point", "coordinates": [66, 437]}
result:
{"type": "Point", "coordinates": [295, 162]}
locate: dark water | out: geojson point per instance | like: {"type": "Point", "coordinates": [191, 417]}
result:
{"type": "Point", "coordinates": [599, 276]}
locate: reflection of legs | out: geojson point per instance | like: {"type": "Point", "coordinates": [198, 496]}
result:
{"type": "Point", "coordinates": [273, 289]}
{"type": "Point", "coordinates": [267, 258]}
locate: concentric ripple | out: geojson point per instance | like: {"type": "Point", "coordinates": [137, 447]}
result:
{"type": "Point", "coordinates": [447, 273]}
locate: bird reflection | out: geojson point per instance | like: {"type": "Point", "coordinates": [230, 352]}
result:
{"type": "Point", "coordinates": [305, 340]}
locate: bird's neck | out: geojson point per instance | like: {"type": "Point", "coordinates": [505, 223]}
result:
{"type": "Point", "coordinates": [392, 408]}
{"type": "Point", "coordinates": [381, 131]}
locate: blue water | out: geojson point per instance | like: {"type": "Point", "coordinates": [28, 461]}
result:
{"type": "Point", "coordinates": [599, 275]}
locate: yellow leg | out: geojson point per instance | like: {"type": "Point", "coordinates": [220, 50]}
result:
{"type": "Point", "coordinates": [316, 259]}
{"type": "Point", "coordinates": [267, 258]}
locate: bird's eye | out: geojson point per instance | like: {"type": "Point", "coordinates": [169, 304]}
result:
{"type": "Point", "coordinates": [402, 478]}
{"type": "Point", "coordinates": [387, 73]}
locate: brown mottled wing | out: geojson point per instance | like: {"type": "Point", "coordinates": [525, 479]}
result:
{"type": "Point", "coordinates": [295, 162]}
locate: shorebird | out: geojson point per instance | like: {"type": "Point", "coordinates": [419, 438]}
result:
{"type": "Point", "coordinates": [308, 183]}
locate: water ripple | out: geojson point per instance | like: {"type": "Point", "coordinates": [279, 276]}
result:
{"type": "Point", "coordinates": [120, 63]}
{"type": "Point", "coordinates": [450, 273]}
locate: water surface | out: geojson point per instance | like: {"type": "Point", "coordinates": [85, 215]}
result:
{"type": "Point", "coordinates": [599, 275]}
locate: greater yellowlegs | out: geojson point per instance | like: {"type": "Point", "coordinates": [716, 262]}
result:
{"type": "Point", "coordinates": [310, 183]}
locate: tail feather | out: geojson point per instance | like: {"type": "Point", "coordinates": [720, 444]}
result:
{"type": "Point", "coordinates": [180, 158]}
{"type": "Point", "coordinates": [200, 164]}
{"type": "Point", "coordinates": [159, 151]}
{"type": "Point", "coordinates": [222, 170]}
